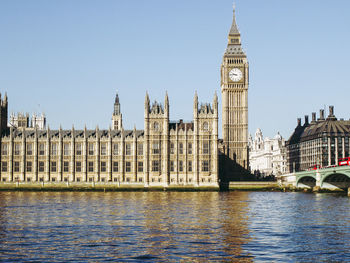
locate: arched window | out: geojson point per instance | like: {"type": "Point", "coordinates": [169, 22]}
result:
{"type": "Point", "coordinates": [205, 126]}
{"type": "Point", "coordinates": [156, 126]}
{"type": "Point", "coordinates": [181, 148]}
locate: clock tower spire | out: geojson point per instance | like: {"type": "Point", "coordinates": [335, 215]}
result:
{"type": "Point", "coordinates": [234, 92]}
{"type": "Point", "coordinates": [234, 28]}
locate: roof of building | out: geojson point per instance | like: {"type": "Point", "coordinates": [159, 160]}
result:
{"type": "Point", "coordinates": [18, 133]}
{"type": "Point", "coordinates": [42, 133]}
{"type": "Point", "coordinates": [181, 125]}
{"type": "Point", "coordinates": [322, 127]}
{"type": "Point", "coordinates": [329, 126]}
{"type": "Point", "coordinates": [234, 48]}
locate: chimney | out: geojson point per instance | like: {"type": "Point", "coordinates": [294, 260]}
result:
{"type": "Point", "coordinates": [321, 115]}
{"type": "Point", "coordinates": [306, 120]}
{"type": "Point", "coordinates": [299, 122]}
{"type": "Point", "coordinates": [331, 114]}
{"type": "Point", "coordinates": [313, 117]}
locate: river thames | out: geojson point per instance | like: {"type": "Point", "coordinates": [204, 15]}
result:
{"type": "Point", "coordinates": [173, 227]}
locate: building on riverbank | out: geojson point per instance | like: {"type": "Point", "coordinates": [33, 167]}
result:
{"type": "Point", "coordinates": [164, 153]}
{"type": "Point", "coordinates": [321, 142]}
{"type": "Point", "coordinates": [267, 156]}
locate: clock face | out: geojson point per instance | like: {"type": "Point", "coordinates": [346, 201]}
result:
{"type": "Point", "coordinates": [235, 74]}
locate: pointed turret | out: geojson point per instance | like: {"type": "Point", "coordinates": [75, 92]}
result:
{"type": "Point", "coordinates": [166, 104]}
{"type": "Point", "coordinates": [147, 105]}
{"type": "Point", "coordinates": [215, 103]}
{"type": "Point", "coordinates": [116, 105]}
{"type": "Point", "coordinates": [195, 105]}
{"type": "Point", "coordinates": [73, 131]}
{"type": "Point", "coordinates": [117, 119]}
{"type": "Point", "coordinates": [166, 100]}
{"type": "Point", "coordinates": [85, 132]}
{"type": "Point", "coordinates": [48, 131]}
{"type": "Point", "coordinates": [3, 113]}
{"type": "Point", "coordinates": [234, 28]}
{"type": "Point", "coordinates": [147, 100]}
{"type": "Point", "coordinates": [116, 98]}
{"type": "Point", "coordinates": [5, 99]}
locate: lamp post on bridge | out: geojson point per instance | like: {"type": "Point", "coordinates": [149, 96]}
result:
{"type": "Point", "coordinates": [318, 175]}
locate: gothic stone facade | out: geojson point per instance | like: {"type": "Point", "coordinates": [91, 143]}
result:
{"type": "Point", "coordinates": [164, 153]}
{"type": "Point", "coordinates": [22, 121]}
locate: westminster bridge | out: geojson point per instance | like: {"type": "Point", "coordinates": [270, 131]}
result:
{"type": "Point", "coordinates": [330, 178]}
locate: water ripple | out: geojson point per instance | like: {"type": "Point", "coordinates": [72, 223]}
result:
{"type": "Point", "coordinates": [173, 227]}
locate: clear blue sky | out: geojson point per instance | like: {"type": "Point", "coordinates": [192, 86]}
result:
{"type": "Point", "coordinates": [68, 58]}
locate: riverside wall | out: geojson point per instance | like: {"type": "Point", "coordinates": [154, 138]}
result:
{"type": "Point", "coordinates": [83, 186]}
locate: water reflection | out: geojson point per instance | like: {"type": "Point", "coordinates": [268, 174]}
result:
{"type": "Point", "coordinates": [159, 226]}
{"type": "Point", "coordinates": [172, 227]}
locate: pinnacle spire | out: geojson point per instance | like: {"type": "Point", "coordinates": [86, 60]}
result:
{"type": "Point", "coordinates": [234, 28]}
{"type": "Point", "coordinates": [146, 98]}
{"type": "Point", "coordinates": [166, 99]}
{"type": "Point", "coordinates": [117, 98]}
{"type": "Point", "coordinates": [195, 99]}
{"type": "Point", "coordinates": [116, 105]}
{"type": "Point", "coordinates": [234, 39]}
{"type": "Point", "coordinates": [215, 97]}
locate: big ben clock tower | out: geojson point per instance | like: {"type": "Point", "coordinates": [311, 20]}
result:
{"type": "Point", "coordinates": [234, 91]}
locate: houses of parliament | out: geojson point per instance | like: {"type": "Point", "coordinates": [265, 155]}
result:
{"type": "Point", "coordinates": [165, 153]}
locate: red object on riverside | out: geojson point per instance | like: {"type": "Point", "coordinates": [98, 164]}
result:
{"type": "Point", "coordinates": [315, 167]}
{"type": "Point", "coordinates": [344, 161]}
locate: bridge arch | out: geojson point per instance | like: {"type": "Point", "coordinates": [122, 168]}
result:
{"type": "Point", "coordinates": [335, 180]}
{"type": "Point", "coordinates": [306, 181]}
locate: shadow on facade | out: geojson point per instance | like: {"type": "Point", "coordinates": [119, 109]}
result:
{"type": "Point", "coordinates": [230, 171]}
{"type": "Point", "coordinates": [293, 162]}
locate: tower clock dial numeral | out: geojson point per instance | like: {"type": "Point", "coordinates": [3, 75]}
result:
{"type": "Point", "coordinates": [235, 74]}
